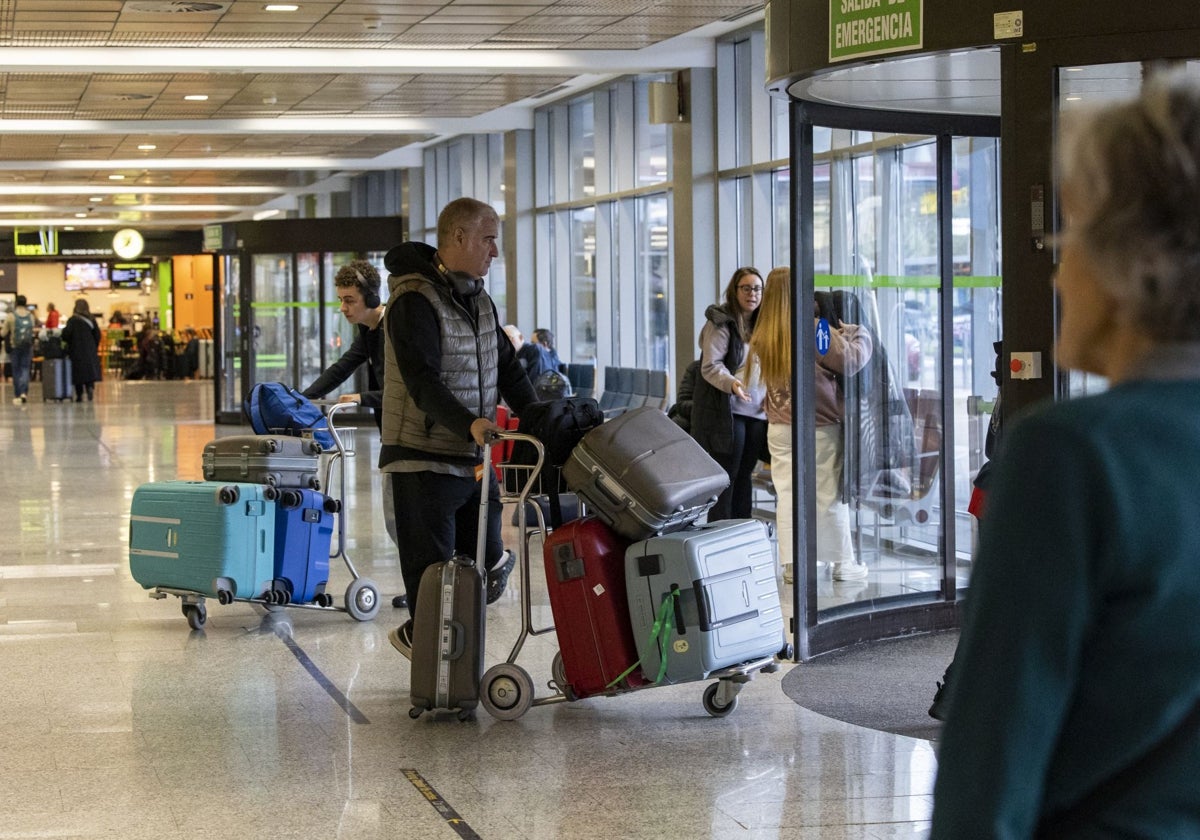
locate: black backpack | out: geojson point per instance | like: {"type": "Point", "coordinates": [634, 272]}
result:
{"type": "Point", "coordinates": [559, 425]}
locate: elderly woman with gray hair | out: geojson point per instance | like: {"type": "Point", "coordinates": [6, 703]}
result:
{"type": "Point", "coordinates": [1073, 711]}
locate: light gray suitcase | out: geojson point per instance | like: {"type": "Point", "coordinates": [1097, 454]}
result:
{"type": "Point", "coordinates": [714, 591]}
{"type": "Point", "coordinates": [277, 460]}
{"type": "Point", "coordinates": [642, 474]}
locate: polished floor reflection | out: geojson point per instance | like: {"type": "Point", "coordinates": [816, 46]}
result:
{"type": "Point", "coordinates": [121, 722]}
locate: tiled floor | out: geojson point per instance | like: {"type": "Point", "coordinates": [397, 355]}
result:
{"type": "Point", "coordinates": [120, 722]}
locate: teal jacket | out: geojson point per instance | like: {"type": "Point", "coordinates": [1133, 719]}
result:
{"type": "Point", "coordinates": [1081, 642]}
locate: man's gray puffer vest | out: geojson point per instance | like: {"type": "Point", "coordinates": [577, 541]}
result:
{"type": "Point", "coordinates": [470, 357]}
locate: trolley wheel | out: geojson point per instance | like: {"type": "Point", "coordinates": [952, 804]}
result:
{"type": "Point", "coordinates": [415, 712]}
{"type": "Point", "coordinates": [196, 615]}
{"type": "Point", "coordinates": [506, 691]}
{"type": "Point", "coordinates": [362, 599]}
{"type": "Point", "coordinates": [712, 706]}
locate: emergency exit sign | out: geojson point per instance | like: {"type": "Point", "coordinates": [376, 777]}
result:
{"type": "Point", "coordinates": [862, 28]}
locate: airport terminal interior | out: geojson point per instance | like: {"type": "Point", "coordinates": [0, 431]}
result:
{"type": "Point", "coordinates": [123, 722]}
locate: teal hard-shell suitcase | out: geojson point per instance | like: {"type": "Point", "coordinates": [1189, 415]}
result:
{"type": "Point", "coordinates": [212, 537]}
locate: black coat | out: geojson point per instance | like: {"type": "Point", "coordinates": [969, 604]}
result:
{"type": "Point", "coordinates": [712, 408]}
{"type": "Point", "coordinates": [82, 338]}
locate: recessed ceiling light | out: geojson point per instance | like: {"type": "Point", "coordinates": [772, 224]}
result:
{"type": "Point", "coordinates": [280, 7]}
{"type": "Point", "coordinates": [81, 215]}
{"type": "Point", "coordinates": [116, 177]}
{"type": "Point", "coordinates": [196, 97]}
{"type": "Point", "coordinates": [146, 147]}
{"type": "Point", "coordinates": [96, 199]}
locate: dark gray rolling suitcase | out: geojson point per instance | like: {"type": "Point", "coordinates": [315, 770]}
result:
{"type": "Point", "coordinates": [277, 460]}
{"type": "Point", "coordinates": [642, 474]}
{"type": "Point", "coordinates": [714, 593]}
{"type": "Point", "coordinates": [448, 627]}
{"type": "Point", "coordinates": [56, 379]}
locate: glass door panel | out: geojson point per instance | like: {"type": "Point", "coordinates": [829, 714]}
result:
{"type": "Point", "coordinates": [228, 357]}
{"type": "Point", "coordinates": [876, 247]}
{"type": "Point", "coordinates": [271, 329]}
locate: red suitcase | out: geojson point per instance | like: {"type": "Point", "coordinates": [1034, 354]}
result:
{"type": "Point", "coordinates": [585, 574]}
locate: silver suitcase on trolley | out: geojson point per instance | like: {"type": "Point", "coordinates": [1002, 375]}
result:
{"type": "Point", "coordinates": [642, 474]}
{"type": "Point", "coordinates": [714, 593]}
{"type": "Point", "coordinates": [277, 460]}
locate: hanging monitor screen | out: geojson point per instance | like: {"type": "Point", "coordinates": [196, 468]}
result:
{"type": "Point", "coordinates": [130, 275]}
{"type": "Point", "coordinates": [83, 276]}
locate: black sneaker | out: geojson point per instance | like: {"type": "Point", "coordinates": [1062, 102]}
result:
{"type": "Point", "coordinates": [937, 711]}
{"type": "Point", "coordinates": [400, 602]}
{"type": "Point", "coordinates": [497, 578]}
{"type": "Point", "coordinates": [401, 639]}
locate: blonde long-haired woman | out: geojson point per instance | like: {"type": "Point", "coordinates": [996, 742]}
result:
{"type": "Point", "coordinates": [772, 343]}
{"type": "Point", "coordinates": [849, 349]}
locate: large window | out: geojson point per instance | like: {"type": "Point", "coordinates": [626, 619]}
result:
{"type": "Point", "coordinates": [753, 150]}
{"type": "Point", "coordinates": [602, 184]}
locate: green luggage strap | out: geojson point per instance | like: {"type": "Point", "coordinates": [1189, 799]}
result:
{"type": "Point", "coordinates": [664, 623]}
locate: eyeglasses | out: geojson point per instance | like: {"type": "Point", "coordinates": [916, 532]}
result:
{"type": "Point", "coordinates": [750, 290]}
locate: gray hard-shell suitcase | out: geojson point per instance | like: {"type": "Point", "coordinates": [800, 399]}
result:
{"type": "Point", "coordinates": [642, 474]}
{"type": "Point", "coordinates": [448, 626]}
{"type": "Point", "coordinates": [714, 593]}
{"type": "Point", "coordinates": [278, 460]}
{"type": "Point", "coordinates": [215, 538]}
{"type": "Point", "coordinates": [56, 379]}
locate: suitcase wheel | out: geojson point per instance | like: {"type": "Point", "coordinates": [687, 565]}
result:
{"type": "Point", "coordinates": [332, 505]}
{"type": "Point", "coordinates": [228, 495]}
{"type": "Point", "coordinates": [716, 705]}
{"type": "Point", "coordinates": [506, 691]}
{"type": "Point", "coordinates": [290, 499]}
{"type": "Point", "coordinates": [196, 615]}
{"type": "Point", "coordinates": [415, 712]}
{"type": "Point", "coordinates": [558, 671]}
{"type": "Point", "coordinates": [225, 590]}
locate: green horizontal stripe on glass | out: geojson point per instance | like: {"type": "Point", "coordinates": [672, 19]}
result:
{"type": "Point", "coordinates": [903, 281]}
{"type": "Point", "coordinates": [279, 304]}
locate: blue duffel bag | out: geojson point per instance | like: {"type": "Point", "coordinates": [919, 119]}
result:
{"type": "Point", "coordinates": [274, 408]}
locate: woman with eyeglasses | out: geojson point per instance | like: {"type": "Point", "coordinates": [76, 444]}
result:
{"type": "Point", "coordinates": [728, 415]}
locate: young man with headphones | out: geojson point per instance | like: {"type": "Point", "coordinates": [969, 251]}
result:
{"type": "Point", "coordinates": [357, 284]}
{"type": "Point", "coordinates": [447, 365]}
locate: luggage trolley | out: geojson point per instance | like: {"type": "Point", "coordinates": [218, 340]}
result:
{"type": "Point", "coordinates": [507, 690]}
{"type": "Point", "coordinates": [362, 594]}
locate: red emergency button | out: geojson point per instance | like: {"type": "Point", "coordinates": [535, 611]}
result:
{"type": "Point", "coordinates": [1016, 366]}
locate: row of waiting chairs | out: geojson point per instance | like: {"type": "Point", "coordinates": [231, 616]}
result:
{"type": "Point", "coordinates": [624, 387]}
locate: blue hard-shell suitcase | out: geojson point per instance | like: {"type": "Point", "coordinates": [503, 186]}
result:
{"type": "Point", "coordinates": [211, 537]}
{"type": "Point", "coordinates": [303, 533]}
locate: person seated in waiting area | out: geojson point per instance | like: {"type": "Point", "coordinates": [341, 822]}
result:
{"type": "Point", "coordinates": [532, 356]}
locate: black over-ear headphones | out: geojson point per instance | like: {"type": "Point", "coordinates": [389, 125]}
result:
{"type": "Point", "coordinates": [370, 291]}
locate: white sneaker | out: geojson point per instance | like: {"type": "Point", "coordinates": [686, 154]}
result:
{"type": "Point", "coordinates": [16, 400]}
{"type": "Point", "coordinates": [849, 571]}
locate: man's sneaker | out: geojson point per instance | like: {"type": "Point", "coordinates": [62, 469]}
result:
{"type": "Point", "coordinates": [497, 578]}
{"type": "Point", "coordinates": [400, 602]}
{"type": "Point", "coordinates": [23, 400]}
{"type": "Point", "coordinates": [401, 639]}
